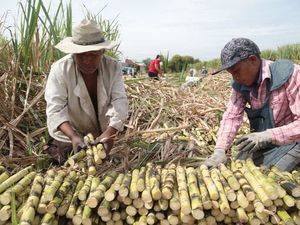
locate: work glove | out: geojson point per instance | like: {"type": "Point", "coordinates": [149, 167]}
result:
{"type": "Point", "coordinates": [253, 142]}
{"type": "Point", "coordinates": [77, 143]}
{"type": "Point", "coordinates": [216, 158]}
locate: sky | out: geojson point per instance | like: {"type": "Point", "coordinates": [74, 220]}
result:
{"type": "Point", "coordinates": [199, 28]}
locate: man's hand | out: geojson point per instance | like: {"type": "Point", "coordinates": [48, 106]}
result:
{"type": "Point", "coordinates": [77, 143]}
{"type": "Point", "coordinates": [254, 142]}
{"type": "Point", "coordinates": [107, 138]}
{"type": "Point", "coordinates": [216, 158]}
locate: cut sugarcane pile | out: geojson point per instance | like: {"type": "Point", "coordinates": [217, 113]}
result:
{"type": "Point", "coordinates": [88, 159]}
{"type": "Point", "coordinates": [238, 193]}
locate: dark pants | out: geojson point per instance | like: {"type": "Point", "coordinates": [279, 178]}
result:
{"type": "Point", "coordinates": [153, 75]}
{"type": "Point", "coordinates": [58, 150]}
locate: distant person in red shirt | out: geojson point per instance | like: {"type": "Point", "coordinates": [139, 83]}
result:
{"type": "Point", "coordinates": [154, 68]}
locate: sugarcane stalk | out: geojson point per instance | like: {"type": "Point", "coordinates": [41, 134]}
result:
{"type": "Point", "coordinates": [183, 191]}
{"type": "Point", "coordinates": [32, 202]}
{"type": "Point", "coordinates": [49, 193]}
{"type": "Point", "coordinates": [195, 197]}
{"type": "Point", "coordinates": [264, 198]}
{"type": "Point", "coordinates": [133, 191]}
{"type": "Point", "coordinates": [270, 188]}
{"type": "Point", "coordinates": [285, 217]}
{"type": "Point", "coordinates": [118, 182]}
{"type": "Point", "coordinates": [4, 176]}
{"type": "Point", "coordinates": [146, 194]}
{"type": "Point", "coordinates": [5, 198]}
{"type": "Point", "coordinates": [141, 179]}
{"type": "Point", "coordinates": [154, 183]}
{"type": "Point", "coordinates": [211, 187]}
{"type": "Point", "coordinates": [169, 182]}
{"type": "Point", "coordinates": [74, 201]}
{"type": "Point", "coordinates": [75, 158]}
{"type": "Point", "coordinates": [104, 208]}
{"type": "Point", "coordinates": [229, 176]}
{"type": "Point", "coordinates": [206, 202]}
{"type": "Point", "coordinates": [99, 192]}
{"type": "Point", "coordinates": [223, 202]}
{"type": "Point", "coordinates": [85, 190]}
{"type": "Point", "coordinates": [101, 151]}
{"type": "Point", "coordinates": [61, 192]}
{"type": "Point", "coordinates": [14, 178]}
{"type": "Point", "coordinates": [47, 219]}
{"type": "Point", "coordinates": [90, 162]}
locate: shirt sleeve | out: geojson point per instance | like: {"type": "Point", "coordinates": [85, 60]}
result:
{"type": "Point", "coordinates": [118, 108]}
{"type": "Point", "coordinates": [290, 133]}
{"type": "Point", "coordinates": [56, 99]}
{"type": "Point", "coordinates": [231, 121]}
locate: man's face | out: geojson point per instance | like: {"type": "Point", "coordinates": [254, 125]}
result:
{"type": "Point", "coordinates": [88, 62]}
{"type": "Point", "coordinates": [246, 71]}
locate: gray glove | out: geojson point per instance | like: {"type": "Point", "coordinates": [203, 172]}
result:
{"type": "Point", "coordinates": [216, 158]}
{"type": "Point", "coordinates": [253, 142]}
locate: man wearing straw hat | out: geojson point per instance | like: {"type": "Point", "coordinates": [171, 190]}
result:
{"type": "Point", "coordinates": [84, 93]}
{"type": "Point", "coordinates": [269, 93]}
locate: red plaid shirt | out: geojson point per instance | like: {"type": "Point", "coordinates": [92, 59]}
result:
{"type": "Point", "coordinates": [285, 103]}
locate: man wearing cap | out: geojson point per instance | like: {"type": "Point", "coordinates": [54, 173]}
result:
{"type": "Point", "coordinates": [269, 93]}
{"type": "Point", "coordinates": [84, 93]}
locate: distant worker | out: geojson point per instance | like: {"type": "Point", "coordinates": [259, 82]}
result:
{"type": "Point", "coordinates": [193, 72]}
{"type": "Point", "coordinates": [272, 91]}
{"type": "Point", "coordinates": [154, 69]}
{"type": "Point", "coordinates": [203, 70]}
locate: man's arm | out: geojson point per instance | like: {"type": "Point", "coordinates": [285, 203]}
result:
{"type": "Point", "coordinates": [231, 121]}
{"type": "Point", "coordinates": [117, 113]}
{"type": "Point", "coordinates": [57, 109]}
{"type": "Point", "coordinates": [291, 132]}
{"type": "Point", "coordinates": [118, 107]}
{"type": "Point", "coordinates": [57, 101]}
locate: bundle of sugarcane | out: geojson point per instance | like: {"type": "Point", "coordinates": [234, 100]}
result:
{"type": "Point", "coordinates": [88, 159]}
{"type": "Point", "coordinates": [237, 193]}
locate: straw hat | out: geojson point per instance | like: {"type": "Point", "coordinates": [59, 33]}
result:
{"type": "Point", "coordinates": [86, 36]}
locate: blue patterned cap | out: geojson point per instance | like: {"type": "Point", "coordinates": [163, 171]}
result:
{"type": "Point", "coordinates": [235, 51]}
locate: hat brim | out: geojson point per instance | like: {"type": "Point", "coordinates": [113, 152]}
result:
{"type": "Point", "coordinates": [68, 46]}
{"type": "Point", "coordinates": [227, 66]}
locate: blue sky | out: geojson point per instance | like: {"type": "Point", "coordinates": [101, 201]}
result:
{"type": "Point", "coordinates": [199, 28]}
